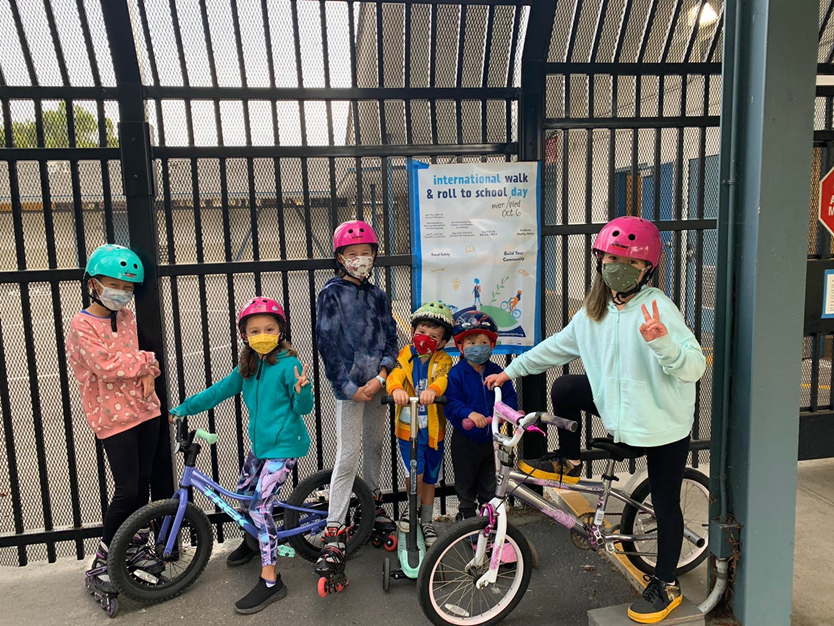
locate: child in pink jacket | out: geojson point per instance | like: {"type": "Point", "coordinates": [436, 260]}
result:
{"type": "Point", "coordinates": [116, 380]}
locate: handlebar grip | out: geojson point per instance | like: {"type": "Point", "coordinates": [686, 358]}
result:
{"type": "Point", "coordinates": [468, 424]}
{"type": "Point", "coordinates": [560, 422]}
{"type": "Point", "coordinates": [209, 438]}
{"type": "Point", "coordinates": [386, 399]}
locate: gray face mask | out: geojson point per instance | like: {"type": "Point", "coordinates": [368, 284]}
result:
{"type": "Point", "coordinates": [620, 277]}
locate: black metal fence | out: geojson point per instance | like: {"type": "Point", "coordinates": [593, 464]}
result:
{"type": "Point", "coordinates": [248, 129]}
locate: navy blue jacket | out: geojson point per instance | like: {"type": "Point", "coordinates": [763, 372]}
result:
{"type": "Point", "coordinates": [356, 334]}
{"type": "Point", "coordinates": [466, 393]}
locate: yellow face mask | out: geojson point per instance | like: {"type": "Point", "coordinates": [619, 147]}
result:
{"type": "Point", "coordinates": [263, 344]}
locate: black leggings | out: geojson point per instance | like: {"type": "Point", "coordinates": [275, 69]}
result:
{"type": "Point", "coordinates": [571, 395]}
{"type": "Point", "coordinates": [131, 456]}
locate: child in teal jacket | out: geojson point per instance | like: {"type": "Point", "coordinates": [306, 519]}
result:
{"type": "Point", "coordinates": [276, 395]}
{"type": "Point", "coordinates": [642, 364]}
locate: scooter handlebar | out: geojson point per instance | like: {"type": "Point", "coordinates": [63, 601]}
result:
{"type": "Point", "coordinates": [386, 399]}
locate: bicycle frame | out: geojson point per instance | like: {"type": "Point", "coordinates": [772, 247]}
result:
{"type": "Point", "coordinates": [315, 520]}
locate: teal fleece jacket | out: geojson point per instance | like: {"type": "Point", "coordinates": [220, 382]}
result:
{"type": "Point", "coordinates": [276, 429]}
{"type": "Point", "coordinates": [645, 392]}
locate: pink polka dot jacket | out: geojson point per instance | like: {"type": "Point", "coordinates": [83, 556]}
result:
{"type": "Point", "coordinates": [109, 367]}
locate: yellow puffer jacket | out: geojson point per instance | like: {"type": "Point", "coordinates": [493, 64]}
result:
{"type": "Point", "coordinates": [403, 378]}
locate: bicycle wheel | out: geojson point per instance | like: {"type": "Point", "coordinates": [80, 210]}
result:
{"type": "Point", "coordinates": [446, 584]}
{"type": "Point", "coordinates": [314, 493]}
{"type": "Point", "coordinates": [695, 507]}
{"type": "Point", "coordinates": [174, 574]}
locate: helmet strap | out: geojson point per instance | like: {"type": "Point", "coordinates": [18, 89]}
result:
{"type": "Point", "coordinates": [93, 294]}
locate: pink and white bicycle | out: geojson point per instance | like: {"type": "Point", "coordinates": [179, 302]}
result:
{"type": "Point", "coordinates": [470, 577]}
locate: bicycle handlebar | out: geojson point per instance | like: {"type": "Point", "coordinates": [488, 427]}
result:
{"type": "Point", "coordinates": [525, 423]}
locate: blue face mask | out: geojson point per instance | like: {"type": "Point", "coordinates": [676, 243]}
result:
{"type": "Point", "coordinates": [477, 355]}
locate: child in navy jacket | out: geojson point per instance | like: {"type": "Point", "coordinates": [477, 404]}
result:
{"type": "Point", "coordinates": [468, 405]}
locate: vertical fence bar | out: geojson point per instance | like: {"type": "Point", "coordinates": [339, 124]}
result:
{"type": "Point", "coordinates": [140, 192]}
{"type": "Point", "coordinates": [11, 452]}
{"type": "Point", "coordinates": [532, 113]}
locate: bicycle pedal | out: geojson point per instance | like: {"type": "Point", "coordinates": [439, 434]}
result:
{"type": "Point", "coordinates": [287, 551]}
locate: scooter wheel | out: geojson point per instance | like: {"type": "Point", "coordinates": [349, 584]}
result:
{"type": "Point", "coordinates": [391, 543]}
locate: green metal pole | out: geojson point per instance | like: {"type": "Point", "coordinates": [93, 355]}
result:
{"type": "Point", "coordinates": [776, 69]}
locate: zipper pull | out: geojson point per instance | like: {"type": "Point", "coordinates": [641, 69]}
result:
{"type": "Point", "coordinates": [260, 365]}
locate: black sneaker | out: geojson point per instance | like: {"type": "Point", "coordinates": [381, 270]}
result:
{"type": "Point", "coordinates": [552, 466]}
{"type": "Point", "coordinates": [261, 597]}
{"type": "Point", "coordinates": [429, 534]}
{"type": "Point", "coordinates": [659, 599]}
{"type": "Point", "coordinates": [240, 555]}
{"type": "Point", "coordinates": [405, 519]}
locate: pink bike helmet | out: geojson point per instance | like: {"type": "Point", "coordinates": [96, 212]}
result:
{"type": "Point", "coordinates": [354, 232]}
{"type": "Point", "coordinates": [260, 306]}
{"type": "Point", "coordinates": [630, 237]}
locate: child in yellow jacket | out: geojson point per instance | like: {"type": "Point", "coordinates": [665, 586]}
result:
{"type": "Point", "coordinates": [422, 370]}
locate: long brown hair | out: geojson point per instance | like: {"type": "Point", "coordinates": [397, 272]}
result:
{"type": "Point", "coordinates": [248, 363]}
{"type": "Point", "coordinates": [597, 299]}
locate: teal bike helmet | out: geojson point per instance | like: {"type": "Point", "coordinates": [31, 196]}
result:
{"type": "Point", "coordinates": [115, 261]}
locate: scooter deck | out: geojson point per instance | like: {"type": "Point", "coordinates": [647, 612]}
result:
{"type": "Point", "coordinates": [402, 552]}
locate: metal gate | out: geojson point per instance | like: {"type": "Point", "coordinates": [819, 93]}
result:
{"type": "Point", "coordinates": [247, 129]}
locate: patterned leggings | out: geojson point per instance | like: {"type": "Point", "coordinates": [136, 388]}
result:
{"type": "Point", "coordinates": [261, 480]}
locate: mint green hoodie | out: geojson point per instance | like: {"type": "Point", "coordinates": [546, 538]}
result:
{"type": "Point", "coordinates": [276, 429]}
{"type": "Point", "coordinates": [645, 392]}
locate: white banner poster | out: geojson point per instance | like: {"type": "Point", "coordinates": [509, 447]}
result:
{"type": "Point", "coordinates": [475, 241]}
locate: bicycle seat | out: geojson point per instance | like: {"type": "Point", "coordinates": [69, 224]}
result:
{"type": "Point", "coordinates": [617, 451]}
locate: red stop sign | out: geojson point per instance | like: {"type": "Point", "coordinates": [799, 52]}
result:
{"type": "Point", "coordinates": [826, 207]}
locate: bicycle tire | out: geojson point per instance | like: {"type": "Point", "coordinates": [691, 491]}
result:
{"type": "Point", "coordinates": [121, 578]}
{"type": "Point", "coordinates": [316, 482]}
{"type": "Point", "coordinates": [462, 532]}
{"type": "Point", "coordinates": [640, 493]}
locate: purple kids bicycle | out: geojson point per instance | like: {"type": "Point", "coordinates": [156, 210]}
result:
{"type": "Point", "coordinates": [181, 536]}
{"type": "Point", "coordinates": [478, 572]}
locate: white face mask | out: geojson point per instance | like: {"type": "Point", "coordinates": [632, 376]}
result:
{"type": "Point", "coordinates": [359, 266]}
{"type": "Point", "coordinates": [113, 299]}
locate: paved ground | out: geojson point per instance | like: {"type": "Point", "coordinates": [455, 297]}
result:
{"type": "Point", "coordinates": [813, 584]}
{"type": "Point", "coordinates": [54, 595]}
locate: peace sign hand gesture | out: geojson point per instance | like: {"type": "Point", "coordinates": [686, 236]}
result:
{"type": "Point", "coordinates": [301, 380]}
{"type": "Point", "coordinates": [653, 327]}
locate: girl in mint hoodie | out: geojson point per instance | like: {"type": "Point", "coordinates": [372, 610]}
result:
{"type": "Point", "coordinates": [641, 363]}
{"type": "Point", "coordinates": [276, 394]}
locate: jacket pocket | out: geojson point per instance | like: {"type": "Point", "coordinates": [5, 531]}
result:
{"type": "Point", "coordinates": [640, 413]}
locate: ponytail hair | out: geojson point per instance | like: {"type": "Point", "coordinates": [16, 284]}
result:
{"type": "Point", "coordinates": [597, 299]}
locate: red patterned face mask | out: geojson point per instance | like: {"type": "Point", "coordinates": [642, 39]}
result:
{"type": "Point", "coordinates": [424, 344]}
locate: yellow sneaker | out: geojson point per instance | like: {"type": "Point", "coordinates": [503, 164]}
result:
{"type": "Point", "coordinates": [552, 466]}
{"type": "Point", "coordinates": [659, 599]}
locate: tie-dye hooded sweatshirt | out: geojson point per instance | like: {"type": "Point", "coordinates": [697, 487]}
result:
{"type": "Point", "coordinates": [356, 334]}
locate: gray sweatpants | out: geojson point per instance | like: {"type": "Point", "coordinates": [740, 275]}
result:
{"type": "Point", "coordinates": [355, 422]}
